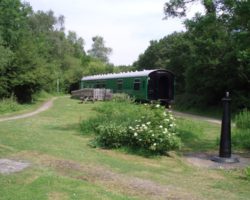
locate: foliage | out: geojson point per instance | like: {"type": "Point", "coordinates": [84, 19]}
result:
{"type": "Point", "coordinates": [247, 171]}
{"type": "Point", "coordinates": [98, 50]}
{"type": "Point", "coordinates": [210, 57]}
{"type": "Point", "coordinates": [242, 120]}
{"type": "Point", "coordinates": [145, 127]}
{"type": "Point", "coordinates": [241, 134]}
{"type": "Point", "coordinates": [241, 138]}
{"type": "Point", "coordinates": [36, 54]}
{"type": "Point", "coordinates": [9, 105]}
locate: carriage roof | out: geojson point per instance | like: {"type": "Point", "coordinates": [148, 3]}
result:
{"type": "Point", "coordinates": [118, 75]}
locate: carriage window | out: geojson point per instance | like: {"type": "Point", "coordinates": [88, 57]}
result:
{"type": "Point", "coordinates": [137, 84]}
{"type": "Point", "coordinates": [102, 84]}
{"type": "Point", "coordinates": [97, 85]}
{"type": "Point", "coordinates": [119, 84]}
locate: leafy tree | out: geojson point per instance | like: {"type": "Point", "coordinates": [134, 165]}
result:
{"type": "Point", "coordinates": [6, 57]}
{"type": "Point", "coordinates": [99, 50]}
{"type": "Point", "coordinates": [76, 43]}
{"type": "Point", "coordinates": [211, 57]}
{"type": "Point", "coordinates": [172, 52]}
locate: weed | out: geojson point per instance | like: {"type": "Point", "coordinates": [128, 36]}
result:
{"type": "Point", "coordinates": [9, 105]}
{"type": "Point", "coordinates": [242, 120]}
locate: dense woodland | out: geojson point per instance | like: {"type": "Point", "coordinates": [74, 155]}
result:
{"type": "Point", "coordinates": [37, 54]}
{"type": "Point", "coordinates": [212, 56]}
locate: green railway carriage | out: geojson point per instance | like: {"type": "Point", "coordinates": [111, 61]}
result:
{"type": "Point", "coordinates": [146, 85]}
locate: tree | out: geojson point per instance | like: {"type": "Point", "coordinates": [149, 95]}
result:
{"type": "Point", "coordinates": [178, 8]}
{"type": "Point", "coordinates": [220, 43]}
{"type": "Point", "coordinates": [98, 50]}
{"type": "Point", "coordinates": [6, 57]}
{"type": "Point", "coordinates": [76, 43]}
{"type": "Point", "coordinates": [172, 52]}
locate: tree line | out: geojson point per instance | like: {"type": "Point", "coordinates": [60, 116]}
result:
{"type": "Point", "coordinates": [37, 54]}
{"type": "Point", "coordinates": [212, 56]}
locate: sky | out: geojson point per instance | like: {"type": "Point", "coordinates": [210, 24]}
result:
{"type": "Point", "coordinates": [127, 26]}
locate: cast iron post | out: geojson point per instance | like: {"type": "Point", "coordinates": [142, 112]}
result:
{"type": "Point", "coordinates": [225, 139]}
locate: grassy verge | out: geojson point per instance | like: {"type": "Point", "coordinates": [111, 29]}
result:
{"type": "Point", "coordinates": [9, 107]}
{"type": "Point", "coordinates": [64, 166]}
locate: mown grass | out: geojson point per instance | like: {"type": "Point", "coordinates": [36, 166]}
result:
{"type": "Point", "coordinates": [64, 166]}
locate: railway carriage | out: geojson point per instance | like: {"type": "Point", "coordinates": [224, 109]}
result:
{"type": "Point", "coordinates": [146, 85]}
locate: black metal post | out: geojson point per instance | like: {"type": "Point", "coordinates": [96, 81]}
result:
{"type": "Point", "coordinates": [225, 155]}
{"type": "Point", "coordinates": [225, 139]}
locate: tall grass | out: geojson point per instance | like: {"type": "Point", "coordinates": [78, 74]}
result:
{"type": "Point", "coordinates": [8, 105]}
{"type": "Point", "coordinates": [242, 120]}
{"type": "Point", "coordinates": [241, 134]}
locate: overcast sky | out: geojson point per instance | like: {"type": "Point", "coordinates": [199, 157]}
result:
{"type": "Point", "coordinates": [127, 26]}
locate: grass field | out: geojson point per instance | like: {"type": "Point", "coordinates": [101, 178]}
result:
{"type": "Point", "coordinates": [64, 166]}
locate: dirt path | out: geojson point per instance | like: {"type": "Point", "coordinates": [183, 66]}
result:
{"type": "Point", "coordinates": [44, 107]}
{"type": "Point", "coordinates": [186, 115]}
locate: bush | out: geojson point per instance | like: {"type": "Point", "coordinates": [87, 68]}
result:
{"type": "Point", "coordinates": [242, 120]}
{"type": "Point", "coordinates": [124, 124]}
{"type": "Point", "coordinates": [241, 136]}
{"type": "Point", "coordinates": [9, 105]}
{"type": "Point", "coordinates": [155, 131]}
{"type": "Point", "coordinates": [111, 135]}
{"type": "Point", "coordinates": [247, 171]}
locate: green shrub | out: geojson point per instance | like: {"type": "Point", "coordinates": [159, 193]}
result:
{"type": "Point", "coordinates": [41, 95]}
{"type": "Point", "coordinates": [241, 138]}
{"type": "Point", "coordinates": [247, 171]}
{"type": "Point", "coordinates": [155, 131]}
{"type": "Point", "coordinates": [242, 120]}
{"type": "Point", "coordinates": [124, 124]}
{"type": "Point", "coordinates": [110, 135]}
{"type": "Point", "coordinates": [9, 105]}
{"type": "Point", "coordinates": [241, 134]}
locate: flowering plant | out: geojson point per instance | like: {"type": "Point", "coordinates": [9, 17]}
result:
{"type": "Point", "coordinates": [124, 124]}
{"type": "Point", "coordinates": [155, 130]}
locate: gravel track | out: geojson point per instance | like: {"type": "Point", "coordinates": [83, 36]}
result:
{"type": "Point", "coordinates": [44, 107]}
{"type": "Point", "coordinates": [190, 116]}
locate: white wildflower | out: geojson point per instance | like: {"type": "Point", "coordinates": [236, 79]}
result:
{"type": "Point", "coordinates": [160, 126]}
{"type": "Point", "coordinates": [135, 134]}
{"type": "Point", "coordinates": [154, 144]}
{"type": "Point", "coordinates": [148, 123]}
{"type": "Point", "coordinates": [157, 106]}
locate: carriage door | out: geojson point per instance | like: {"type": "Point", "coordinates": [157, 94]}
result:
{"type": "Point", "coordinates": [163, 87]}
